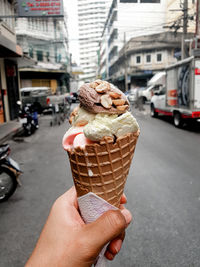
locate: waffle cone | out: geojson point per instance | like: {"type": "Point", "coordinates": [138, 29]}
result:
{"type": "Point", "coordinates": [102, 168]}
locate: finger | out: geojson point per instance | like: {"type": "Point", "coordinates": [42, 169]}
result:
{"type": "Point", "coordinates": [116, 244]}
{"type": "Point", "coordinates": [126, 213]}
{"type": "Point", "coordinates": [109, 255]}
{"type": "Point", "coordinates": [106, 228]}
{"type": "Point", "coordinates": [121, 207]}
{"type": "Point", "coordinates": [70, 197]}
{"type": "Point", "coordinates": [123, 199]}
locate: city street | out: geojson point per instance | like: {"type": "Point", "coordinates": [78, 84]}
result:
{"type": "Point", "coordinates": [163, 191]}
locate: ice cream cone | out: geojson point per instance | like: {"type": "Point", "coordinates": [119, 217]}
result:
{"type": "Point", "coordinates": [102, 168]}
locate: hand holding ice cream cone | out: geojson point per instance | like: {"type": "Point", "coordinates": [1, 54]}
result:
{"type": "Point", "coordinates": [100, 146]}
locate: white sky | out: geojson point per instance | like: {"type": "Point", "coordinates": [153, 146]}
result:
{"type": "Point", "coordinates": [72, 24]}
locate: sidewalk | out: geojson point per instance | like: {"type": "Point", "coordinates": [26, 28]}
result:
{"type": "Point", "coordinates": [8, 130]}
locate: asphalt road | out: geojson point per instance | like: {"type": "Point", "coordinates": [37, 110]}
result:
{"type": "Point", "coordinates": [163, 191]}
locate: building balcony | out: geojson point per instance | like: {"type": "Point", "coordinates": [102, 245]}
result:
{"type": "Point", "coordinates": [7, 32]}
{"type": "Point", "coordinates": [113, 46]}
{"type": "Point", "coordinates": [8, 45]}
{"type": "Point", "coordinates": [113, 60]}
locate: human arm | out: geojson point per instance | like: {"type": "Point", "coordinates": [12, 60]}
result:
{"type": "Point", "coordinates": [67, 241]}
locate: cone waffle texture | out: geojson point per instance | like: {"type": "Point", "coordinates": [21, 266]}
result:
{"type": "Point", "coordinates": [102, 168]}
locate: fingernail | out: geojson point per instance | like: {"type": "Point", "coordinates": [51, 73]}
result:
{"type": "Point", "coordinates": [109, 256]}
{"type": "Point", "coordinates": [118, 245]}
{"type": "Point", "coordinates": [127, 215]}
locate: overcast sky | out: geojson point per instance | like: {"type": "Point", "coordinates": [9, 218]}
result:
{"type": "Point", "coordinates": [72, 23]}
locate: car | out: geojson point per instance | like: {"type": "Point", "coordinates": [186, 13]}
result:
{"type": "Point", "coordinates": [36, 96]}
{"type": "Point", "coordinates": [135, 93]}
{"type": "Point", "coordinates": [147, 94]}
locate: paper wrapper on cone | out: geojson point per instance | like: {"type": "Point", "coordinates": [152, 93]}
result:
{"type": "Point", "coordinates": [102, 168]}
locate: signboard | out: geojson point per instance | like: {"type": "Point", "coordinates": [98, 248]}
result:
{"type": "Point", "coordinates": [40, 8]}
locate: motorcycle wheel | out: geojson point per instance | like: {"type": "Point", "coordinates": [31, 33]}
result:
{"type": "Point", "coordinates": [8, 184]}
{"type": "Point", "coordinates": [27, 129]}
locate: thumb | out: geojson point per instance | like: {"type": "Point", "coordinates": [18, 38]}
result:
{"type": "Point", "coordinates": [107, 227]}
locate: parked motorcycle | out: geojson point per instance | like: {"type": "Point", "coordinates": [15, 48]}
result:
{"type": "Point", "coordinates": [9, 173]}
{"type": "Point", "coordinates": [28, 117]}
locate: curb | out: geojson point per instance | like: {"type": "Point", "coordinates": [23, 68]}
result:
{"type": "Point", "coordinates": [11, 134]}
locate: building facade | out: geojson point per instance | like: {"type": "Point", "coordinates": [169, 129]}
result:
{"type": "Point", "coordinates": [10, 52]}
{"type": "Point", "coordinates": [144, 56]}
{"type": "Point", "coordinates": [45, 40]}
{"type": "Point", "coordinates": [91, 20]}
{"type": "Point", "coordinates": [127, 19]}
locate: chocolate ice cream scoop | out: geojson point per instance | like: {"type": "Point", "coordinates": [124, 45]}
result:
{"type": "Point", "coordinates": [95, 102]}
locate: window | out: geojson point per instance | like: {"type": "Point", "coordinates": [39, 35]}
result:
{"type": "Point", "coordinates": [39, 55]}
{"type": "Point", "coordinates": [150, 1]}
{"type": "Point", "coordinates": [47, 56]}
{"type": "Point", "coordinates": [31, 52]}
{"type": "Point", "coordinates": [148, 58]}
{"type": "Point", "coordinates": [159, 57]}
{"type": "Point", "coordinates": [138, 59]}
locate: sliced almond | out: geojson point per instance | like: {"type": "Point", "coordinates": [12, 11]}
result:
{"type": "Point", "coordinates": [114, 95]}
{"type": "Point", "coordinates": [93, 85]}
{"type": "Point", "coordinates": [73, 114]}
{"type": "Point", "coordinates": [98, 81]}
{"type": "Point", "coordinates": [122, 108]}
{"type": "Point", "coordinates": [106, 101]}
{"type": "Point", "coordinates": [81, 123]}
{"type": "Point", "coordinates": [103, 87]}
{"type": "Point", "coordinates": [71, 118]}
{"type": "Point", "coordinates": [118, 102]}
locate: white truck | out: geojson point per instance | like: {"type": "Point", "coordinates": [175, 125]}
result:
{"type": "Point", "coordinates": [179, 96]}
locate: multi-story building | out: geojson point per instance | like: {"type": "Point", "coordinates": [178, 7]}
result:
{"type": "Point", "coordinates": [9, 54]}
{"type": "Point", "coordinates": [127, 19]}
{"type": "Point", "coordinates": [45, 40]}
{"type": "Point", "coordinates": [91, 20]}
{"type": "Point", "coordinates": [144, 56]}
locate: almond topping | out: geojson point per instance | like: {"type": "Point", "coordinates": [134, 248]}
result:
{"type": "Point", "coordinates": [93, 85]}
{"type": "Point", "coordinates": [114, 95]}
{"type": "Point", "coordinates": [118, 102]}
{"type": "Point", "coordinates": [81, 123]}
{"type": "Point", "coordinates": [122, 108]}
{"type": "Point", "coordinates": [73, 114]}
{"type": "Point", "coordinates": [103, 87]}
{"type": "Point", "coordinates": [98, 81]}
{"type": "Point", "coordinates": [106, 101]}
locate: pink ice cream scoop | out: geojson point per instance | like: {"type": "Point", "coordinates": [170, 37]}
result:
{"type": "Point", "coordinates": [75, 138]}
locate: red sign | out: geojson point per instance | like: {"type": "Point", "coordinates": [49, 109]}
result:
{"type": "Point", "coordinates": [197, 71]}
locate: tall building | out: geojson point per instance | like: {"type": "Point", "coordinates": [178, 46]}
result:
{"type": "Point", "coordinates": [91, 19]}
{"type": "Point", "coordinates": [127, 19]}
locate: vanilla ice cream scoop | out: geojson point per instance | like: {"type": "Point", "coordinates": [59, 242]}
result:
{"type": "Point", "coordinates": [110, 125]}
{"type": "Point", "coordinates": [82, 117]}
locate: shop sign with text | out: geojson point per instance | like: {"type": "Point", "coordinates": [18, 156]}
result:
{"type": "Point", "coordinates": [40, 8]}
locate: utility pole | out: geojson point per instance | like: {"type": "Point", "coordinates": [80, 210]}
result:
{"type": "Point", "coordinates": [198, 20]}
{"type": "Point", "coordinates": [185, 24]}
{"type": "Point", "coordinates": [125, 65]}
